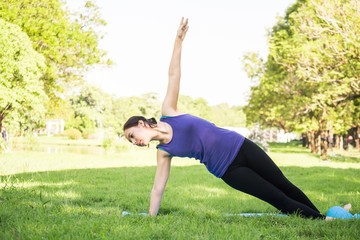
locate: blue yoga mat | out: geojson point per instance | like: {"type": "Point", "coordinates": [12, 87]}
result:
{"type": "Point", "coordinates": [125, 213]}
{"type": "Point", "coordinates": [257, 214]}
{"type": "Point", "coordinates": [335, 212]}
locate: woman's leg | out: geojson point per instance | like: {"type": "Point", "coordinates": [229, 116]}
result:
{"type": "Point", "coordinates": [246, 180]}
{"type": "Point", "coordinates": [257, 160]}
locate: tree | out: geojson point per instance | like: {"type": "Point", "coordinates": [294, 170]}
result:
{"type": "Point", "coordinates": [224, 116]}
{"type": "Point", "coordinates": [21, 91]}
{"type": "Point", "coordinates": [198, 107]}
{"type": "Point", "coordinates": [322, 50]}
{"type": "Point", "coordinates": [68, 42]}
{"type": "Point", "coordinates": [89, 107]}
{"type": "Point", "coordinates": [274, 101]}
{"type": "Point", "coordinates": [314, 57]}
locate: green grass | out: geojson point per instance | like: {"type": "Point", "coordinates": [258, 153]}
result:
{"type": "Point", "coordinates": [336, 155]}
{"type": "Point", "coordinates": [58, 140]}
{"type": "Point", "coordinates": [77, 196]}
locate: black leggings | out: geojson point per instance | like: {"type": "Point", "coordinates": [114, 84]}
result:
{"type": "Point", "coordinates": [254, 173]}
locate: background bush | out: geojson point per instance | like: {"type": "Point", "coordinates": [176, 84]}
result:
{"type": "Point", "coordinates": [73, 133]}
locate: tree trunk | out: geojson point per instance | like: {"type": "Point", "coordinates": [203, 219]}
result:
{"type": "Point", "coordinates": [337, 141]}
{"type": "Point", "coordinates": [304, 139]}
{"type": "Point", "coordinates": [346, 142]}
{"type": "Point", "coordinates": [1, 120]}
{"type": "Point", "coordinates": [317, 142]}
{"type": "Point", "coordinates": [341, 142]}
{"type": "Point", "coordinates": [3, 113]}
{"type": "Point", "coordinates": [331, 140]}
{"type": "Point", "coordinates": [312, 141]}
{"type": "Point", "coordinates": [357, 135]}
{"type": "Point", "coordinates": [324, 145]}
{"type": "Point", "coordinates": [20, 126]}
{"type": "Point", "coordinates": [351, 137]}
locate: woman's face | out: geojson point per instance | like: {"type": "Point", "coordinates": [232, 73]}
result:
{"type": "Point", "coordinates": [139, 135]}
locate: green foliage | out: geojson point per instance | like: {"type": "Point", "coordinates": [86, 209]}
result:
{"type": "Point", "coordinates": [94, 108]}
{"type": "Point", "coordinates": [61, 109]}
{"type": "Point", "coordinates": [21, 92]}
{"type": "Point", "coordinates": [198, 106]}
{"type": "Point", "coordinates": [108, 142]}
{"type": "Point", "coordinates": [253, 65]}
{"type": "Point", "coordinates": [68, 41]}
{"type": "Point", "coordinates": [310, 80]}
{"type": "Point", "coordinates": [73, 133]}
{"type": "Point", "coordinates": [88, 107]}
{"type": "Point", "coordinates": [221, 114]}
{"type": "Point", "coordinates": [224, 116]}
{"type": "Point", "coordinates": [147, 105]}
{"type": "Point", "coordinates": [115, 144]}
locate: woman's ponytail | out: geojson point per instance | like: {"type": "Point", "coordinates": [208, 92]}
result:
{"type": "Point", "coordinates": [151, 121]}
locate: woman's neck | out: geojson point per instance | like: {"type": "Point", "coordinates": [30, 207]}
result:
{"type": "Point", "coordinates": [164, 133]}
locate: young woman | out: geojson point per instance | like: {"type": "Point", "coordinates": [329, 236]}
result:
{"type": "Point", "coordinates": [228, 155]}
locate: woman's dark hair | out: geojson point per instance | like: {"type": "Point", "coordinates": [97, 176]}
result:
{"type": "Point", "coordinates": [134, 120]}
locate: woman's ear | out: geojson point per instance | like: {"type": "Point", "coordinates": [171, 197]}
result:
{"type": "Point", "coordinates": [141, 123]}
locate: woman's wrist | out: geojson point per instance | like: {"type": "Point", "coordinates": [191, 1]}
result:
{"type": "Point", "coordinates": [152, 213]}
{"type": "Point", "coordinates": [179, 38]}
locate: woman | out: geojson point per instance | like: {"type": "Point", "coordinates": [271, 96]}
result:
{"type": "Point", "coordinates": [228, 155]}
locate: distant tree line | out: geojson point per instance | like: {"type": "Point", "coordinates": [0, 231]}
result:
{"type": "Point", "coordinates": [310, 81]}
{"type": "Point", "coordinates": [93, 108]}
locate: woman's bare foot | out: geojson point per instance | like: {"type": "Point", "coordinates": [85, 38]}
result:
{"type": "Point", "coordinates": [328, 218]}
{"type": "Point", "coordinates": [347, 207]}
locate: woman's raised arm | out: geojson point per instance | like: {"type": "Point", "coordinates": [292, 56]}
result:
{"type": "Point", "coordinates": [169, 106]}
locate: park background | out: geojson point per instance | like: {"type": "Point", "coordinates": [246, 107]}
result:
{"type": "Point", "coordinates": [258, 67]}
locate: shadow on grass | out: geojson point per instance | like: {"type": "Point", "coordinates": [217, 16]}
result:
{"type": "Point", "coordinates": [340, 158]}
{"type": "Point", "coordinates": [290, 147]}
{"type": "Point", "coordinates": [89, 202]}
{"type": "Point", "coordinates": [296, 147]}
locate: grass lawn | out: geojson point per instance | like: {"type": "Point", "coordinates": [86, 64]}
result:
{"type": "Point", "coordinates": [80, 196]}
{"type": "Point", "coordinates": [57, 140]}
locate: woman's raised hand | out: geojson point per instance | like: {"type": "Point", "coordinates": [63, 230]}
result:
{"type": "Point", "coordinates": [181, 33]}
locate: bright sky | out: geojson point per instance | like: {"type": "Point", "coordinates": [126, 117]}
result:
{"type": "Point", "coordinates": [140, 35]}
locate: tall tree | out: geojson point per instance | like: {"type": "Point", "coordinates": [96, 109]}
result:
{"type": "Point", "coordinates": [68, 42]}
{"type": "Point", "coordinates": [89, 107]}
{"type": "Point", "coordinates": [21, 92]}
{"type": "Point", "coordinates": [314, 53]}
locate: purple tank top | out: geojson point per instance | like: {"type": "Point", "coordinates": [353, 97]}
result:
{"type": "Point", "coordinates": [197, 138]}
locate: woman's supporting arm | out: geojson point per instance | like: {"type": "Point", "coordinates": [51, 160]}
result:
{"type": "Point", "coordinates": [161, 177]}
{"type": "Point", "coordinates": [169, 106]}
